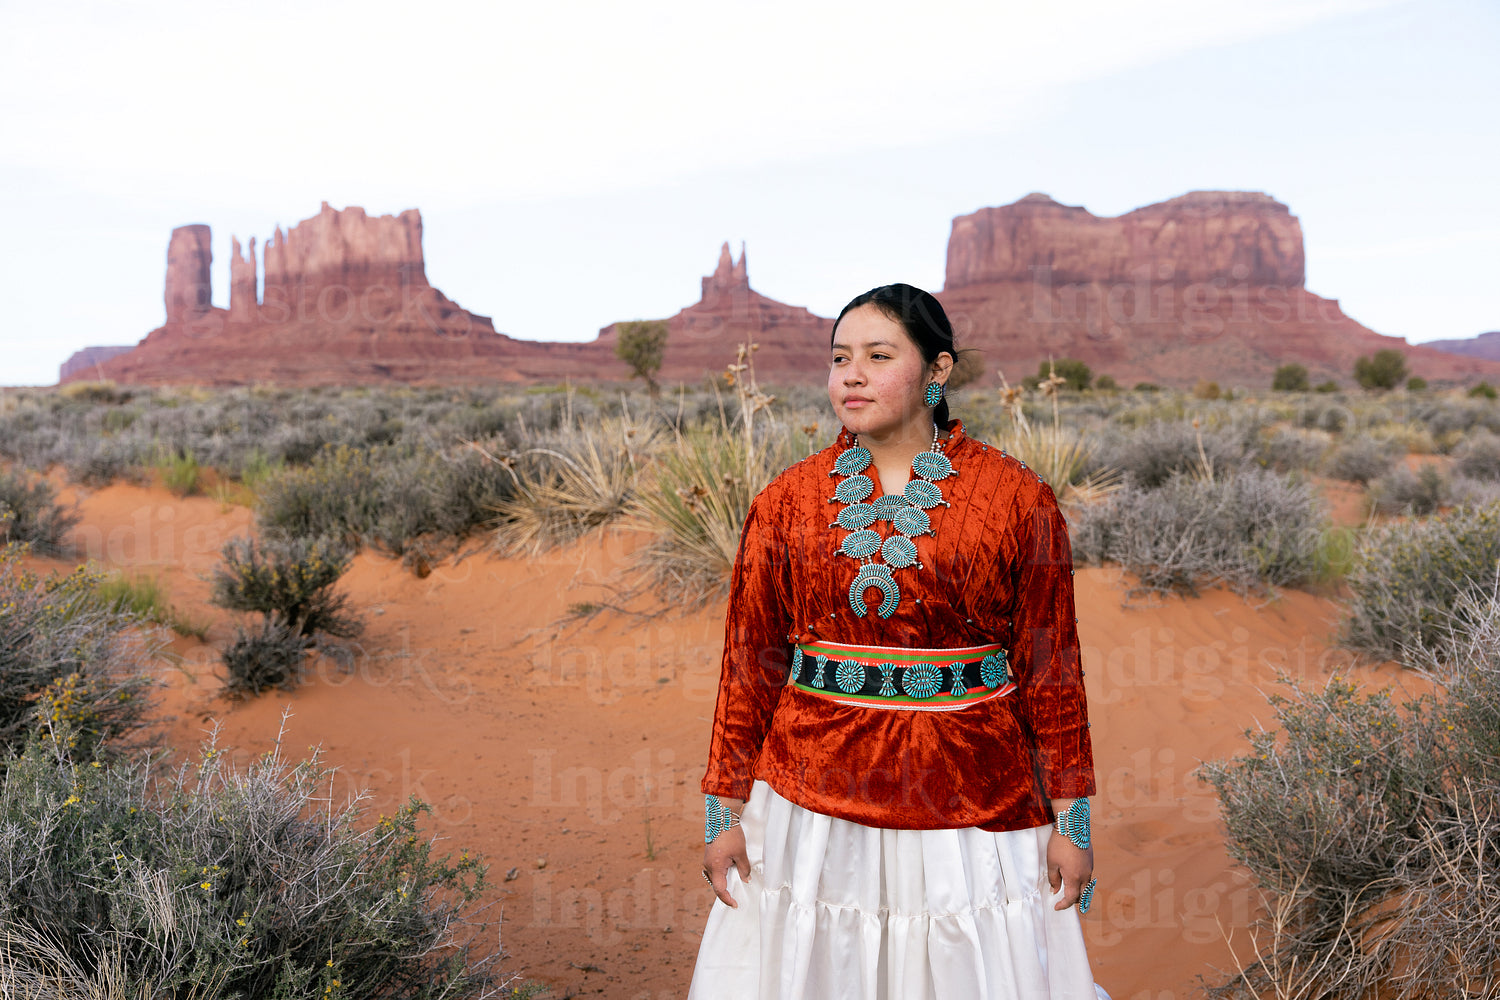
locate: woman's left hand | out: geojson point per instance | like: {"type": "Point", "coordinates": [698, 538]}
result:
{"type": "Point", "coordinates": [1069, 867]}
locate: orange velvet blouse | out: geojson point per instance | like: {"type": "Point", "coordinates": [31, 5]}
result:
{"type": "Point", "coordinates": [997, 567]}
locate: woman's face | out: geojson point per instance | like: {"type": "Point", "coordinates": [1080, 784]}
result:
{"type": "Point", "coordinates": [877, 375]}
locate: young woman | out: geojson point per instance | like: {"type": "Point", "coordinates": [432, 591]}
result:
{"type": "Point", "coordinates": [896, 789]}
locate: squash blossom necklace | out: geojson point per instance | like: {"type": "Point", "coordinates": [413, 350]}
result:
{"type": "Point", "coordinates": [907, 512]}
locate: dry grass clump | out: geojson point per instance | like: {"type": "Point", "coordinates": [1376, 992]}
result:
{"type": "Point", "coordinates": [1249, 531]}
{"type": "Point", "coordinates": [1371, 829]}
{"type": "Point", "coordinates": [1408, 578]}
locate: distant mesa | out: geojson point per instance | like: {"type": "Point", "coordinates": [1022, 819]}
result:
{"type": "Point", "coordinates": [84, 364]}
{"type": "Point", "coordinates": [1485, 345]}
{"type": "Point", "coordinates": [1209, 285]}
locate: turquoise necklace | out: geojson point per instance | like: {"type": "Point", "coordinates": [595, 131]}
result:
{"type": "Point", "coordinates": [907, 512]}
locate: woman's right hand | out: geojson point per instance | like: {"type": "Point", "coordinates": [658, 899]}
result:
{"type": "Point", "coordinates": [727, 849]}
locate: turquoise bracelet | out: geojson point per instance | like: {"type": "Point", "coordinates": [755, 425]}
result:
{"type": "Point", "coordinates": [1073, 823]}
{"type": "Point", "coordinates": [717, 818]}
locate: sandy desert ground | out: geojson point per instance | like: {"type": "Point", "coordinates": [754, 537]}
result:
{"type": "Point", "coordinates": [570, 755]}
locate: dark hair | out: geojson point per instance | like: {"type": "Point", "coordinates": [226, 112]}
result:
{"type": "Point", "coordinates": [920, 315]}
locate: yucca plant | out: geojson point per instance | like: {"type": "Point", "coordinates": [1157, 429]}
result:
{"type": "Point", "coordinates": [1062, 456]}
{"type": "Point", "coordinates": [564, 492]}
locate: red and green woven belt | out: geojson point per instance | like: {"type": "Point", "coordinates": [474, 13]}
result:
{"type": "Point", "coordinates": [929, 680]}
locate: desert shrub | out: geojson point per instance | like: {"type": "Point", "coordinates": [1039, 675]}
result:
{"type": "Point", "coordinates": [1402, 491]}
{"type": "Point", "coordinates": [1151, 454]}
{"type": "Point", "coordinates": [1483, 390]}
{"type": "Point", "coordinates": [1478, 457]}
{"type": "Point", "coordinates": [388, 497]}
{"type": "Point", "coordinates": [1416, 384]}
{"type": "Point", "coordinates": [1361, 460]}
{"type": "Point", "coordinates": [1247, 531]}
{"type": "Point", "coordinates": [1366, 824]}
{"type": "Point", "coordinates": [34, 515]}
{"type": "Point", "coordinates": [1326, 386]}
{"type": "Point", "coordinates": [1204, 389]}
{"type": "Point", "coordinates": [563, 492]}
{"type": "Point", "coordinates": [1410, 438]}
{"type": "Point", "coordinates": [1408, 577]}
{"type": "Point", "coordinates": [126, 878]}
{"type": "Point", "coordinates": [1290, 378]}
{"type": "Point", "coordinates": [292, 579]}
{"type": "Point", "coordinates": [67, 658]}
{"type": "Point", "coordinates": [266, 656]}
{"type": "Point", "coordinates": [1383, 370]}
{"type": "Point", "coordinates": [1446, 415]}
{"type": "Point", "coordinates": [1325, 416]}
{"type": "Point", "coordinates": [1466, 492]}
{"type": "Point", "coordinates": [1106, 383]}
{"type": "Point", "coordinates": [331, 497]}
{"type": "Point", "coordinates": [1288, 450]}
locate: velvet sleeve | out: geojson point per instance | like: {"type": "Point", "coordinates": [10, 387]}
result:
{"type": "Point", "coordinates": [1044, 652]}
{"type": "Point", "coordinates": [756, 654]}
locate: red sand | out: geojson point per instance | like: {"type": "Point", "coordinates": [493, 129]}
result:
{"type": "Point", "coordinates": [573, 754]}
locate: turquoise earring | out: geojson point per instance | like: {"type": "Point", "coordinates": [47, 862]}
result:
{"type": "Point", "coordinates": [933, 394]}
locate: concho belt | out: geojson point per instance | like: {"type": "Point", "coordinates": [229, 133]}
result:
{"type": "Point", "coordinates": [927, 680]}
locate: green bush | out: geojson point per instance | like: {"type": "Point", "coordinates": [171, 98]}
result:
{"type": "Point", "coordinates": [270, 655]}
{"type": "Point", "coordinates": [290, 579]}
{"type": "Point", "coordinates": [1247, 531]}
{"type": "Point", "coordinates": [1290, 378]}
{"type": "Point", "coordinates": [66, 658]}
{"type": "Point", "coordinates": [1383, 370]}
{"type": "Point", "coordinates": [1106, 383]}
{"type": "Point", "coordinates": [1408, 578]}
{"type": "Point", "coordinates": [1076, 374]}
{"type": "Point", "coordinates": [1483, 390]}
{"type": "Point", "coordinates": [30, 513]}
{"type": "Point", "coordinates": [126, 879]}
{"type": "Point", "coordinates": [1416, 384]}
{"type": "Point", "coordinates": [1329, 386]}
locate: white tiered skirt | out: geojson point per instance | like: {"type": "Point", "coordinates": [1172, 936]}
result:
{"type": "Point", "coordinates": [836, 910]}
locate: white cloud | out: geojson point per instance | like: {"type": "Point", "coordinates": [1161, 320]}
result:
{"type": "Point", "coordinates": [475, 102]}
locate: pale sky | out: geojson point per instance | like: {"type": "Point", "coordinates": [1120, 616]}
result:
{"type": "Point", "coordinates": [578, 164]}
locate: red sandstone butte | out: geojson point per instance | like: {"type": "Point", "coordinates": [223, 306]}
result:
{"type": "Point", "coordinates": [703, 338]}
{"type": "Point", "coordinates": [1209, 285]}
{"type": "Point", "coordinates": [346, 301]}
